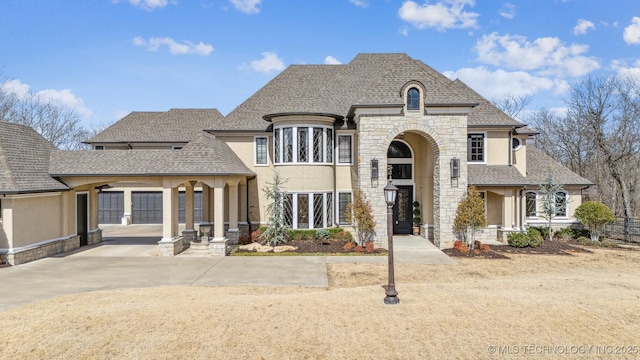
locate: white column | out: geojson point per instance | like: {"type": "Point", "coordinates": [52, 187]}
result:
{"type": "Point", "coordinates": [206, 199]}
{"type": "Point", "coordinates": [188, 207]}
{"type": "Point", "coordinates": [233, 207]}
{"type": "Point", "coordinates": [218, 211]}
{"type": "Point", "coordinates": [169, 203]}
{"type": "Point", "coordinates": [93, 208]}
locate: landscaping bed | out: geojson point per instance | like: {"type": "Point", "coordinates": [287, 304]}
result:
{"type": "Point", "coordinates": [315, 248]}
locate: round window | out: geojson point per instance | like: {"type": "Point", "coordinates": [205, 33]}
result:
{"type": "Point", "coordinates": [515, 143]}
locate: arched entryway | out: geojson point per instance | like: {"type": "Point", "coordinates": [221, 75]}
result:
{"type": "Point", "coordinates": [400, 159]}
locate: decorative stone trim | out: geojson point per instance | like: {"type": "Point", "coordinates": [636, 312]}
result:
{"type": "Point", "coordinates": [171, 247]}
{"type": "Point", "coordinates": [94, 237]}
{"type": "Point", "coordinates": [219, 247]}
{"type": "Point", "coordinates": [42, 250]}
{"type": "Point", "coordinates": [232, 235]}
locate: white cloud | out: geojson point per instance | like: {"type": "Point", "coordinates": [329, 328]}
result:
{"type": "Point", "coordinates": [330, 60]}
{"type": "Point", "coordinates": [547, 55]}
{"type": "Point", "coordinates": [582, 27]}
{"type": "Point", "coordinates": [404, 30]}
{"type": "Point", "coordinates": [446, 14]}
{"type": "Point", "coordinates": [148, 4]}
{"type": "Point", "coordinates": [63, 98]}
{"type": "Point", "coordinates": [360, 3]}
{"type": "Point", "coordinates": [499, 84]}
{"type": "Point", "coordinates": [631, 72]}
{"type": "Point", "coordinates": [175, 48]}
{"type": "Point", "coordinates": [508, 11]}
{"type": "Point", "coordinates": [632, 32]}
{"type": "Point", "coordinates": [247, 6]}
{"type": "Point", "coordinates": [269, 62]}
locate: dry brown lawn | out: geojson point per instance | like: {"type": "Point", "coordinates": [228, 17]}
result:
{"type": "Point", "coordinates": [585, 305]}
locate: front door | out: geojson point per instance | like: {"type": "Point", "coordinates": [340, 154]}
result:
{"type": "Point", "coordinates": [82, 218]}
{"type": "Point", "coordinates": [402, 210]}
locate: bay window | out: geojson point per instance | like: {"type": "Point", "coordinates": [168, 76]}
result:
{"type": "Point", "coordinates": [303, 144]}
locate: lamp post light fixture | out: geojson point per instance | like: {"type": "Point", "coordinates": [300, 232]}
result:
{"type": "Point", "coordinates": [390, 192]}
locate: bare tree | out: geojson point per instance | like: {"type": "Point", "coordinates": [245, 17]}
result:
{"type": "Point", "coordinates": [608, 109]}
{"type": "Point", "coordinates": [60, 125]}
{"type": "Point", "coordinates": [512, 104]}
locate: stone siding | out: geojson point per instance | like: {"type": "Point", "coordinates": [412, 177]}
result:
{"type": "Point", "coordinates": [43, 250]}
{"type": "Point", "coordinates": [448, 136]}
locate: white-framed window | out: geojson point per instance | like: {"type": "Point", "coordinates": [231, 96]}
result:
{"type": "Point", "coordinates": [345, 149]}
{"type": "Point", "coordinates": [98, 147]}
{"type": "Point", "coordinates": [344, 198]}
{"type": "Point", "coordinates": [476, 147]}
{"type": "Point", "coordinates": [308, 210]}
{"type": "Point", "coordinates": [531, 204]}
{"type": "Point", "coordinates": [303, 144]}
{"type": "Point", "coordinates": [562, 204]}
{"type": "Point", "coordinates": [413, 99]}
{"type": "Point", "coordinates": [261, 150]}
{"type": "Point", "coordinates": [516, 144]}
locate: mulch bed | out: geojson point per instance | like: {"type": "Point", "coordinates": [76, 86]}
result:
{"type": "Point", "coordinates": [322, 247]}
{"type": "Point", "coordinates": [557, 247]}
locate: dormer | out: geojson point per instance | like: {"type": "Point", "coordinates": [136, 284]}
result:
{"type": "Point", "coordinates": [413, 95]}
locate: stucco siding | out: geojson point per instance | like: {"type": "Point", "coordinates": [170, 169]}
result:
{"type": "Point", "coordinates": [36, 219]}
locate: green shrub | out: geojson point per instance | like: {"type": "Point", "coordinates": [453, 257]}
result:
{"type": "Point", "coordinates": [534, 237]}
{"type": "Point", "coordinates": [582, 240]}
{"type": "Point", "coordinates": [322, 234]}
{"type": "Point", "coordinates": [302, 234]}
{"type": "Point", "coordinates": [608, 243]}
{"type": "Point", "coordinates": [544, 231]}
{"type": "Point", "coordinates": [518, 240]}
{"type": "Point", "coordinates": [580, 233]}
{"type": "Point", "coordinates": [564, 234]}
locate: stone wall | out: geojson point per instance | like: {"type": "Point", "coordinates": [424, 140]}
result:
{"type": "Point", "coordinates": [448, 136]}
{"type": "Point", "coordinates": [43, 250]}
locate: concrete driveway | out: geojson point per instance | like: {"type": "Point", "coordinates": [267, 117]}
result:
{"type": "Point", "coordinates": [133, 262]}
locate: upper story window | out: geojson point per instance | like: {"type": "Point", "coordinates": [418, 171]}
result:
{"type": "Point", "coordinates": [303, 144]}
{"type": "Point", "coordinates": [516, 143]}
{"type": "Point", "coordinates": [345, 149]}
{"type": "Point", "coordinates": [261, 153]}
{"type": "Point", "coordinates": [413, 99]}
{"type": "Point", "coordinates": [476, 148]}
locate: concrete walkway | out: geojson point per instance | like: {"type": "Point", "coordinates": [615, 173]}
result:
{"type": "Point", "coordinates": [131, 263]}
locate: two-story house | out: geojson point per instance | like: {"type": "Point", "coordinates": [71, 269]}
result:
{"type": "Point", "coordinates": [327, 130]}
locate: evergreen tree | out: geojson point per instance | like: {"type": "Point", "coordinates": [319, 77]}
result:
{"type": "Point", "coordinates": [277, 231]}
{"type": "Point", "coordinates": [470, 216]}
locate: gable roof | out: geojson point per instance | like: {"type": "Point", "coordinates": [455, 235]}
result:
{"type": "Point", "coordinates": [175, 125]}
{"type": "Point", "coordinates": [369, 79]}
{"type": "Point", "coordinates": [204, 155]}
{"type": "Point", "coordinates": [24, 161]}
{"type": "Point", "coordinates": [485, 114]}
{"type": "Point", "coordinates": [539, 165]}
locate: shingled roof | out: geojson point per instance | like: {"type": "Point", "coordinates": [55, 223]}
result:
{"type": "Point", "coordinates": [369, 79]}
{"type": "Point", "coordinates": [175, 125]}
{"type": "Point", "coordinates": [204, 155]}
{"type": "Point", "coordinates": [24, 161]}
{"type": "Point", "coordinates": [485, 114]}
{"type": "Point", "coordinates": [539, 165]}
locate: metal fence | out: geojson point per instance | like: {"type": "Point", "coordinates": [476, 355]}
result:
{"type": "Point", "coordinates": [616, 231]}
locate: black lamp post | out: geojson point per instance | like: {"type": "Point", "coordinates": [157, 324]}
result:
{"type": "Point", "coordinates": [390, 192]}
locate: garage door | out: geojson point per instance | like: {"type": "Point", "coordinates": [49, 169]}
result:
{"type": "Point", "coordinates": [197, 206]}
{"type": "Point", "coordinates": [146, 207]}
{"type": "Point", "coordinates": [110, 207]}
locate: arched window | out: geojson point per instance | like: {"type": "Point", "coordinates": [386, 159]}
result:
{"type": "Point", "coordinates": [413, 99]}
{"type": "Point", "coordinates": [398, 149]}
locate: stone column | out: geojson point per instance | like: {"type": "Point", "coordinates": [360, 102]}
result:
{"type": "Point", "coordinates": [206, 196]}
{"type": "Point", "coordinates": [169, 227]}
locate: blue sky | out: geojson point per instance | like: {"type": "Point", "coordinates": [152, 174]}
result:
{"type": "Point", "coordinates": [105, 58]}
